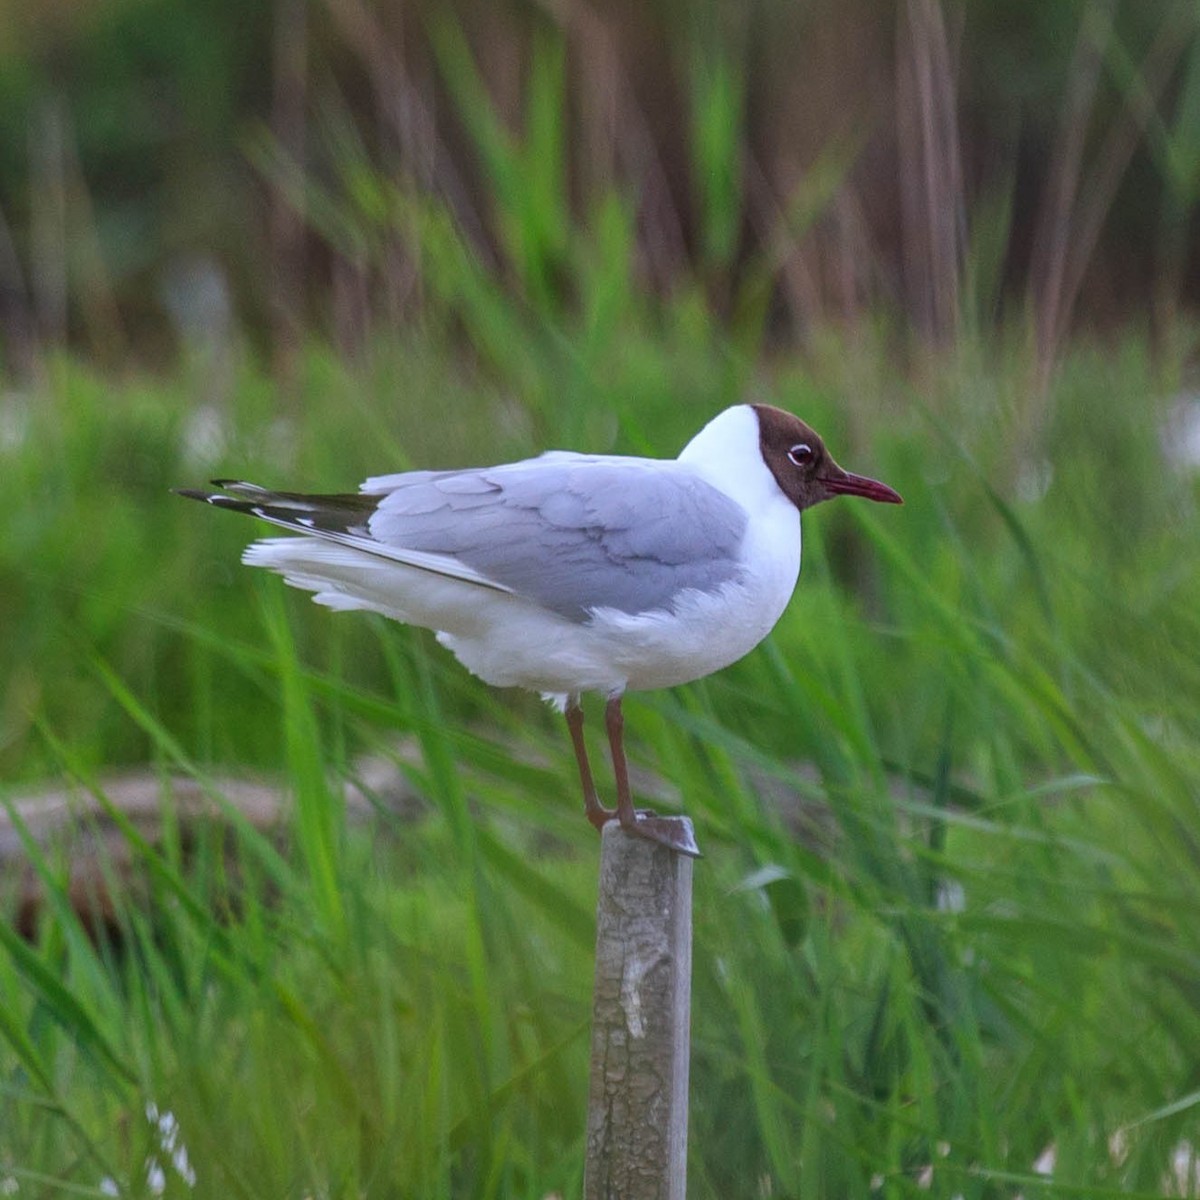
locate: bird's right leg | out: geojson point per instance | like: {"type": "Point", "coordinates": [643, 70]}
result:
{"type": "Point", "coordinates": [596, 812]}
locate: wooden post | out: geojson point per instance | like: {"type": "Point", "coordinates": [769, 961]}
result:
{"type": "Point", "coordinates": [641, 1022]}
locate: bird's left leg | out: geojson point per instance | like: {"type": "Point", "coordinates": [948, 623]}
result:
{"type": "Point", "coordinates": [595, 811]}
{"type": "Point", "coordinates": [672, 832]}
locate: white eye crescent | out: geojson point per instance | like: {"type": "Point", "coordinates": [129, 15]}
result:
{"type": "Point", "coordinates": [801, 454]}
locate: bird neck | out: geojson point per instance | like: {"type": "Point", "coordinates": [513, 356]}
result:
{"type": "Point", "coordinates": [728, 454]}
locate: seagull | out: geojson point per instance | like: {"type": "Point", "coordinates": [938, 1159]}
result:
{"type": "Point", "coordinates": [571, 573]}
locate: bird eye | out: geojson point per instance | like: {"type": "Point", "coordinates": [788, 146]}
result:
{"type": "Point", "coordinates": [801, 454]}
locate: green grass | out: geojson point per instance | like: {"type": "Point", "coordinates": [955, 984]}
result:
{"type": "Point", "coordinates": [947, 917]}
{"type": "Point", "coordinates": [991, 693]}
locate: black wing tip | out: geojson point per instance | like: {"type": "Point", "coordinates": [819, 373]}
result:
{"type": "Point", "coordinates": [214, 498]}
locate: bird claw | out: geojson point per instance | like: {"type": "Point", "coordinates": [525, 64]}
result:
{"type": "Point", "coordinates": [675, 833]}
{"type": "Point", "coordinates": [600, 816]}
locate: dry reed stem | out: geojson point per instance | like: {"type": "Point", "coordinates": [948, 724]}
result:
{"type": "Point", "coordinates": [930, 167]}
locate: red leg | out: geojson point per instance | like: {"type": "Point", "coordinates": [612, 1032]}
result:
{"type": "Point", "coordinates": [672, 832]}
{"type": "Point", "coordinates": [595, 811]}
{"type": "Point", "coordinates": [614, 722]}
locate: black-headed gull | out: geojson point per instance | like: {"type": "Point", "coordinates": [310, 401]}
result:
{"type": "Point", "coordinates": [572, 573]}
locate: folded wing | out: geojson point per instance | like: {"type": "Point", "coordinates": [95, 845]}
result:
{"type": "Point", "coordinates": [570, 532]}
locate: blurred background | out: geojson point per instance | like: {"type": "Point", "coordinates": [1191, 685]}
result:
{"type": "Point", "coordinates": [297, 908]}
{"type": "Point", "coordinates": [171, 172]}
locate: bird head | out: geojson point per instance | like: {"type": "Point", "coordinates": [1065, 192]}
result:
{"type": "Point", "coordinates": [804, 469]}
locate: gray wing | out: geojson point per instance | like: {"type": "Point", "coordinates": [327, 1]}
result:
{"type": "Point", "coordinates": [572, 532]}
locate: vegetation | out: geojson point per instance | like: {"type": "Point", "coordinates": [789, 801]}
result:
{"type": "Point", "coordinates": [949, 811]}
{"type": "Point", "coordinates": [945, 930]}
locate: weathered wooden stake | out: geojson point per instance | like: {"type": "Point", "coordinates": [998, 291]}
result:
{"type": "Point", "coordinates": [641, 1022]}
